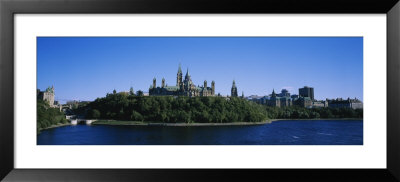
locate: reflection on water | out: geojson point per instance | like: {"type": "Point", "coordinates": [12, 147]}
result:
{"type": "Point", "coordinates": [321, 132]}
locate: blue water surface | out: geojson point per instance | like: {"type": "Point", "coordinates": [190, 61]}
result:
{"type": "Point", "coordinates": [288, 132]}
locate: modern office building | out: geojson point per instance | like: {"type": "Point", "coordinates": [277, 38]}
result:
{"type": "Point", "coordinates": [306, 92]}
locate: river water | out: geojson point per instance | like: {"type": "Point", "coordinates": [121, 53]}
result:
{"type": "Point", "coordinates": [288, 132]}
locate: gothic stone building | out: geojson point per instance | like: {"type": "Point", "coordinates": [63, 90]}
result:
{"type": "Point", "coordinates": [276, 101]}
{"type": "Point", "coordinates": [47, 95]}
{"type": "Point", "coordinates": [183, 87]}
{"type": "Point", "coordinates": [303, 102]}
{"type": "Point", "coordinates": [345, 103]}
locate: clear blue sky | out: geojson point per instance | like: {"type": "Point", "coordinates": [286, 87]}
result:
{"type": "Point", "coordinates": [84, 68]}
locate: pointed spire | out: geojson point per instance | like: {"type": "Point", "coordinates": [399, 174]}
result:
{"type": "Point", "coordinates": [273, 93]}
{"type": "Point", "coordinates": [179, 69]}
{"type": "Point", "coordinates": [187, 72]}
{"type": "Point", "coordinates": [233, 84]}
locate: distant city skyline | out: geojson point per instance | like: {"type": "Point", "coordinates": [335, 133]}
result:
{"type": "Point", "coordinates": [83, 68]}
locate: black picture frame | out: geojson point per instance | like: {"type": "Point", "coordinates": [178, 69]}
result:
{"type": "Point", "coordinates": [8, 8]}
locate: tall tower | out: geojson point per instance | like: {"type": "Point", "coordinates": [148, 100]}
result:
{"type": "Point", "coordinates": [307, 92]}
{"type": "Point", "coordinates": [131, 92]}
{"type": "Point", "coordinates": [213, 88]}
{"type": "Point", "coordinates": [163, 83]}
{"type": "Point", "coordinates": [188, 81]}
{"type": "Point", "coordinates": [48, 95]}
{"type": "Point", "coordinates": [273, 93]}
{"type": "Point", "coordinates": [187, 76]}
{"type": "Point", "coordinates": [205, 84]}
{"type": "Point", "coordinates": [179, 77]}
{"type": "Point", "coordinates": [154, 82]}
{"type": "Point", "coordinates": [234, 90]}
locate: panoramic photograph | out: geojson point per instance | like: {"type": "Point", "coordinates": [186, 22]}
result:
{"type": "Point", "coordinates": [199, 91]}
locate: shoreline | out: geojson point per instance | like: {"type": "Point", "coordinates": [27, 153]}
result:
{"type": "Point", "coordinates": [347, 119]}
{"type": "Point", "coordinates": [55, 126]}
{"type": "Point", "coordinates": [137, 123]}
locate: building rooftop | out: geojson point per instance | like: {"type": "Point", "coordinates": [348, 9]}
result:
{"type": "Point", "coordinates": [172, 88]}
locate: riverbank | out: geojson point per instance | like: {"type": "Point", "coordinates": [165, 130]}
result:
{"type": "Point", "coordinates": [140, 123]}
{"type": "Point", "coordinates": [54, 126]}
{"type": "Point", "coordinates": [319, 119]}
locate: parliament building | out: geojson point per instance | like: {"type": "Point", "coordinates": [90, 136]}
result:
{"type": "Point", "coordinates": [183, 87]}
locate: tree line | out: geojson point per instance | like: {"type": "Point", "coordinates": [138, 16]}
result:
{"type": "Point", "coordinates": [296, 112]}
{"type": "Point", "coordinates": [173, 109]}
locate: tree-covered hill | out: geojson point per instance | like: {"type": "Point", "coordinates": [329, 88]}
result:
{"type": "Point", "coordinates": [171, 109]}
{"type": "Point", "coordinates": [47, 116]}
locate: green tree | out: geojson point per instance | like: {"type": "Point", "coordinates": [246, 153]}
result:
{"type": "Point", "coordinates": [139, 93]}
{"type": "Point", "coordinates": [47, 116]}
{"type": "Point", "coordinates": [95, 114]}
{"type": "Point", "coordinates": [136, 116]}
